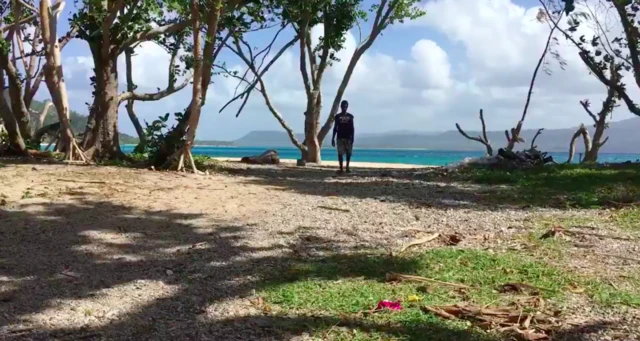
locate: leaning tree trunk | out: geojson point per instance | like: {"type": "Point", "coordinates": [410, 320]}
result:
{"type": "Point", "coordinates": [18, 107]}
{"type": "Point", "coordinates": [101, 140]}
{"type": "Point", "coordinates": [203, 60]}
{"type": "Point", "coordinates": [312, 153]}
{"type": "Point", "coordinates": [587, 143]}
{"type": "Point", "coordinates": [54, 79]}
{"type": "Point", "coordinates": [142, 138]}
{"type": "Point", "coordinates": [311, 130]}
{"type": "Point", "coordinates": [42, 116]}
{"type": "Point", "coordinates": [328, 124]}
{"type": "Point", "coordinates": [16, 143]}
{"type": "Point", "coordinates": [174, 139]}
{"type": "Point", "coordinates": [591, 155]}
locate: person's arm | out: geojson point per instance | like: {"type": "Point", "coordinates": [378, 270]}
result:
{"type": "Point", "coordinates": [335, 131]}
{"type": "Point", "coordinates": [352, 130]}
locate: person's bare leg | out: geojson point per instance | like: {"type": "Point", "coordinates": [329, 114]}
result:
{"type": "Point", "coordinates": [348, 162]}
{"type": "Point", "coordinates": [340, 162]}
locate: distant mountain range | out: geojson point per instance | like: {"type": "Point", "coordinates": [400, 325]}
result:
{"type": "Point", "coordinates": [77, 120]}
{"type": "Point", "coordinates": [624, 138]}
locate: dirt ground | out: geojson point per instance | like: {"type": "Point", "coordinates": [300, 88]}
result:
{"type": "Point", "coordinates": [105, 253]}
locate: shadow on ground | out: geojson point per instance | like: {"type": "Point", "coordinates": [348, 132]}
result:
{"type": "Point", "coordinates": [482, 188]}
{"type": "Point", "coordinates": [386, 185]}
{"type": "Point", "coordinates": [53, 257]}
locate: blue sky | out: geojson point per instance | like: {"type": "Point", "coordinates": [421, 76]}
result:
{"type": "Point", "coordinates": [422, 76]}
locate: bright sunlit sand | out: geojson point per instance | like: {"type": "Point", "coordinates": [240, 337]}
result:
{"type": "Point", "coordinates": [355, 164]}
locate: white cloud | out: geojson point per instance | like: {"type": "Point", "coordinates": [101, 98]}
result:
{"type": "Point", "coordinates": [78, 67]}
{"type": "Point", "coordinates": [493, 44]}
{"type": "Point", "coordinates": [150, 67]}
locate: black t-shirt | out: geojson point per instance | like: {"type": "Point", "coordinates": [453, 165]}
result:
{"type": "Point", "coordinates": [344, 126]}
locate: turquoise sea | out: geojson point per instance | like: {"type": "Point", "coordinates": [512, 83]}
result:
{"type": "Point", "coordinates": [406, 156]}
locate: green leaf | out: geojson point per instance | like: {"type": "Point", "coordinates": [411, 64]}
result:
{"type": "Point", "coordinates": [569, 6]}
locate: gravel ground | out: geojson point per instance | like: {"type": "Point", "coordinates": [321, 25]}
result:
{"type": "Point", "coordinates": [102, 253]}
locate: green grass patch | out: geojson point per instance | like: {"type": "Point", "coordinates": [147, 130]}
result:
{"type": "Point", "coordinates": [202, 162]}
{"type": "Point", "coordinates": [627, 219]}
{"type": "Point", "coordinates": [347, 286]}
{"type": "Point", "coordinates": [587, 186]}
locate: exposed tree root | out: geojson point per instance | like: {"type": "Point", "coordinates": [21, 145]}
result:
{"type": "Point", "coordinates": [180, 155]}
{"type": "Point", "coordinates": [75, 154]}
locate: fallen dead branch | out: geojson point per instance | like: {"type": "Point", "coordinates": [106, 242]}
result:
{"type": "Point", "coordinates": [618, 256]}
{"type": "Point", "coordinates": [528, 321]}
{"type": "Point", "coordinates": [419, 241]}
{"type": "Point", "coordinates": [346, 210]}
{"type": "Point", "coordinates": [394, 277]}
{"type": "Point", "coordinates": [16, 330]}
{"type": "Point", "coordinates": [553, 232]}
{"type": "Point", "coordinates": [612, 284]}
{"type": "Point", "coordinates": [69, 274]}
{"type": "Point", "coordinates": [622, 204]}
{"type": "Point", "coordinates": [599, 235]}
{"type": "Point", "coordinates": [415, 229]}
{"type": "Point", "coordinates": [519, 288]}
{"type": "Point", "coordinates": [559, 230]}
{"type": "Point", "coordinates": [453, 239]}
{"type": "Point", "coordinates": [89, 181]}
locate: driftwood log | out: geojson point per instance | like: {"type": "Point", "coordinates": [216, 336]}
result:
{"type": "Point", "coordinates": [269, 157]}
{"type": "Point", "coordinates": [529, 157]}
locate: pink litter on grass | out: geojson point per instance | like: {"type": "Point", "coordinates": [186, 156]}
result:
{"type": "Point", "coordinates": [389, 305]}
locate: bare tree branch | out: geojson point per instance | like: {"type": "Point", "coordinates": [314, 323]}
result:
{"type": "Point", "coordinates": [515, 133]}
{"type": "Point", "coordinates": [631, 34]}
{"type": "Point", "coordinates": [62, 41]}
{"type": "Point", "coordinates": [380, 21]}
{"type": "Point", "coordinates": [28, 6]}
{"type": "Point", "coordinates": [19, 23]}
{"type": "Point", "coordinates": [154, 96]}
{"type": "Point", "coordinates": [482, 139]}
{"type": "Point", "coordinates": [533, 141]}
{"type": "Point", "coordinates": [595, 70]}
{"type": "Point", "coordinates": [154, 32]}
{"type": "Point", "coordinates": [263, 90]}
{"type": "Point", "coordinates": [302, 35]}
{"type": "Point", "coordinates": [43, 113]}
{"type": "Point", "coordinates": [585, 104]}
{"type": "Point", "coordinates": [257, 76]}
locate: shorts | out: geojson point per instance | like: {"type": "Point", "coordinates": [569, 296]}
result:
{"type": "Point", "coordinates": [345, 146]}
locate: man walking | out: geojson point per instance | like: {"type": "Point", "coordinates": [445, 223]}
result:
{"type": "Point", "coordinates": [345, 131]}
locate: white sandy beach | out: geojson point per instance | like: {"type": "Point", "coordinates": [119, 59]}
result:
{"type": "Point", "coordinates": [292, 162]}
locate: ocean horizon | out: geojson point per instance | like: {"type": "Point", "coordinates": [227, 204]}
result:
{"type": "Point", "coordinates": [378, 155]}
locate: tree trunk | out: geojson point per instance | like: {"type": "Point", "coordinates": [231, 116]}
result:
{"type": "Point", "coordinates": [328, 125]}
{"type": "Point", "coordinates": [16, 143]}
{"type": "Point", "coordinates": [174, 138]}
{"type": "Point", "coordinates": [572, 146]}
{"type": "Point", "coordinates": [54, 76]}
{"type": "Point", "coordinates": [592, 154]}
{"type": "Point", "coordinates": [101, 140]}
{"type": "Point", "coordinates": [43, 114]}
{"type": "Point", "coordinates": [132, 114]}
{"type": "Point", "coordinates": [311, 129]}
{"type": "Point", "coordinates": [142, 138]}
{"type": "Point", "coordinates": [587, 143]}
{"type": "Point", "coordinates": [18, 107]}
